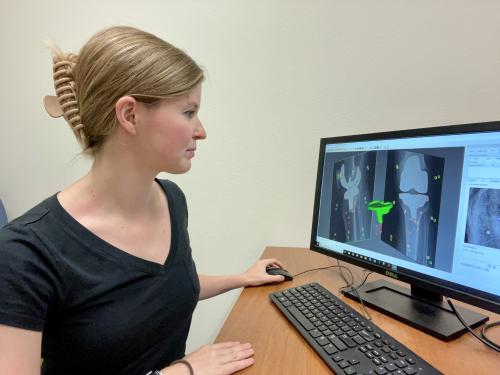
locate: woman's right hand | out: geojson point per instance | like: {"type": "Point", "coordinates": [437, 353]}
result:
{"type": "Point", "coordinates": [219, 359]}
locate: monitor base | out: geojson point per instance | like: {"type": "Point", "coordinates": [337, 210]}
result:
{"type": "Point", "coordinates": [430, 316]}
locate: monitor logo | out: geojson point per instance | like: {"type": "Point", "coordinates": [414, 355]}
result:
{"type": "Point", "coordinates": [394, 275]}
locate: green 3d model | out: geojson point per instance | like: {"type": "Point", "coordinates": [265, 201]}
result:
{"type": "Point", "coordinates": [381, 208]}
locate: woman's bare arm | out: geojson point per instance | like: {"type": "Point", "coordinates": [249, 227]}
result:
{"type": "Point", "coordinates": [20, 351]}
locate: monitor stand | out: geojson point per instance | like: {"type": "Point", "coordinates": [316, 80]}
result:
{"type": "Point", "coordinates": [418, 308]}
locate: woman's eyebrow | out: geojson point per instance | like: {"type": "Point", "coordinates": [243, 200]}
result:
{"type": "Point", "coordinates": [194, 104]}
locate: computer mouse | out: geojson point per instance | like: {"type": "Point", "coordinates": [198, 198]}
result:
{"type": "Point", "coordinates": [279, 271]}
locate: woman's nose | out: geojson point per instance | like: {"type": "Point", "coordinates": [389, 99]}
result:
{"type": "Point", "coordinates": [199, 132]}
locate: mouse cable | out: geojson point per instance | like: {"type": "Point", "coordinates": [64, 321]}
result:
{"type": "Point", "coordinates": [353, 288]}
{"type": "Point", "coordinates": [483, 339]}
{"type": "Point", "coordinates": [319, 269]}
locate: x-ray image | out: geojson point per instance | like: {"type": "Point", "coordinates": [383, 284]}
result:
{"type": "Point", "coordinates": [352, 190]}
{"type": "Point", "coordinates": [402, 203]}
{"type": "Point", "coordinates": [483, 218]}
{"type": "Point", "coordinates": [413, 185]}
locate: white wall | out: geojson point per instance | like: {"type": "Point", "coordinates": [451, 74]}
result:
{"type": "Point", "coordinates": [282, 74]}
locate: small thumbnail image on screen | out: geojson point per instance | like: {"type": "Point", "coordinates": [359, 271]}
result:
{"type": "Point", "coordinates": [483, 218]}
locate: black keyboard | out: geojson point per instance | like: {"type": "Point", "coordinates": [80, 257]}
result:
{"type": "Point", "coordinates": [347, 342]}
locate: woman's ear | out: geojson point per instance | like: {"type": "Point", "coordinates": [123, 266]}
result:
{"type": "Point", "coordinates": [125, 110]}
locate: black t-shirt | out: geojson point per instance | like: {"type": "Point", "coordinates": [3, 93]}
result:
{"type": "Point", "coordinates": [101, 310]}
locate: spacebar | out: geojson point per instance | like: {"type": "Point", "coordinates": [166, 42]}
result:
{"type": "Point", "coordinates": [301, 318]}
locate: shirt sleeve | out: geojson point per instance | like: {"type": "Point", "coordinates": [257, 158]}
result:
{"type": "Point", "coordinates": [28, 279]}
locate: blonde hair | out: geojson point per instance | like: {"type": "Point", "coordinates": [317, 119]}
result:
{"type": "Point", "coordinates": [116, 62]}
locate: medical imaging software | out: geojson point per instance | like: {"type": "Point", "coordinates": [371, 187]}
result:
{"type": "Point", "coordinates": [433, 209]}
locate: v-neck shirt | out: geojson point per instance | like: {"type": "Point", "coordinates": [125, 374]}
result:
{"type": "Point", "coordinates": [101, 309]}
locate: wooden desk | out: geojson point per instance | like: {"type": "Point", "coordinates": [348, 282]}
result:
{"type": "Point", "coordinates": [279, 349]}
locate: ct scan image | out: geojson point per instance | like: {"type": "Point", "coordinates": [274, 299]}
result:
{"type": "Point", "coordinates": [414, 187]}
{"type": "Point", "coordinates": [353, 180]}
{"type": "Point", "coordinates": [483, 218]}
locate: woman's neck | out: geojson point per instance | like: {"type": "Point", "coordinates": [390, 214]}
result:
{"type": "Point", "coordinates": [117, 185]}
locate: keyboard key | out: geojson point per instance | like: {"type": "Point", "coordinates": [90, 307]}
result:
{"type": "Point", "coordinates": [350, 371]}
{"type": "Point", "coordinates": [343, 364]}
{"type": "Point", "coordinates": [401, 364]}
{"type": "Point", "coordinates": [301, 318]}
{"type": "Point", "coordinates": [390, 367]}
{"type": "Point", "coordinates": [338, 358]}
{"type": "Point", "coordinates": [330, 349]}
{"type": "Point", "coordinates": [336, 341]}
{"type": "Point", "coordinates": [322, 341]}
{"type": "Point", "coordinates": [348, 341]}
{"type": "Point", "coordinates": [410, 371]}
{"type": "Point", "coordinates": [380, 371]}
{"type": "Point", "coordinates": [315, 333]}
{"type": "Point", "coordinates": [351, 333]}
{"type": "Point", "coordinates": [367, 336]}
{"type": "Point", "coordinates": [359, 340]}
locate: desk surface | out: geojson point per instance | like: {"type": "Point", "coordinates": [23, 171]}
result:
{"type": "Point", "coordinates": [279, 349]}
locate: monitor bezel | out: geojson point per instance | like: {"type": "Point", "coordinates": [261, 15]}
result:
{"type": "Point", "coordinates": [460, 292]}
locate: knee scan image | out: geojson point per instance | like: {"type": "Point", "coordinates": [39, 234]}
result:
{"type": "Point", "coordinates": [352, 190]}
{"type": "Point", "coordinates": [414, 184]}
{"type": "Point", "coordinates": [390, 199]}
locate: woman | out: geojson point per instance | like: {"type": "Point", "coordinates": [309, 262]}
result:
{"type": "Point", "coordinates": [99, 278]}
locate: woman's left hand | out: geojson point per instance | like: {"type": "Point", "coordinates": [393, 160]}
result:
{"type": "Point", "coordinates": [257, 275]}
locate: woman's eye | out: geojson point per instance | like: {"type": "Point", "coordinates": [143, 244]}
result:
{"type": "Point", "coordinates": [189, 114]}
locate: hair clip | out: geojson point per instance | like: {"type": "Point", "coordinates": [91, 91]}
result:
{"type": "Point", "coordinates": [52, 106]}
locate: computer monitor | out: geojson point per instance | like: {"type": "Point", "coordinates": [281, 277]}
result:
{"type": "Point", "coordinates": [421, 206]}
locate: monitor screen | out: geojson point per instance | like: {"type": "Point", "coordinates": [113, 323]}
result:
{"type": "Point", "coordinates": [420, 205]}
